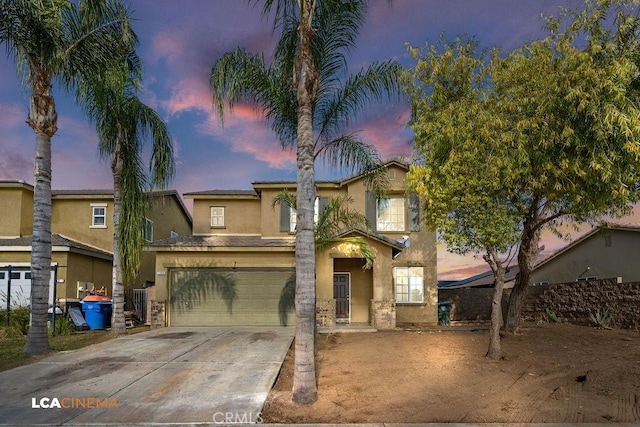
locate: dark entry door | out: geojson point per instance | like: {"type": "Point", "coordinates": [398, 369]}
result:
{"type": "Point", "coordinates": [341, 295]}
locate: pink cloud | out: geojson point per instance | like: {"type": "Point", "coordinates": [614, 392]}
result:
{"type": "Point", "coordinates": [189, 94]}
{"type": "Point", "coordinates": [13, 116]}
{"type": "Point", "coordinates": [246, 131]}
{"type": "Point", "coordinates": [168, 44]}
{"type": "Point", "coordinates": [385, 132]}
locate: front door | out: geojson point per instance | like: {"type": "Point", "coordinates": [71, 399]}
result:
{"type": "Point", "coordinates": [341, 295]}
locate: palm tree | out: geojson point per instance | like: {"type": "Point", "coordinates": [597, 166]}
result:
{"type": "Point", "coordinates": [64, 40]}
{"type": "Point", "coordinates": [123, 123]}
{"type": "Point", "coordinates": [306, 88]}
{"type": "Point", "coordinates": [334, 218]}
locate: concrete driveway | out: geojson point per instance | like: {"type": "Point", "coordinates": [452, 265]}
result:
{"type": "Point", "coordinates": [171, 375]}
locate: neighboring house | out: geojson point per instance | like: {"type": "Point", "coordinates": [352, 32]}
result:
{"type": "Point", "coordinates": [244, 246]}
{"type": "Point", "coordinates": [82, 237]}
{"type": "Point", "coordinates": [606, 252]}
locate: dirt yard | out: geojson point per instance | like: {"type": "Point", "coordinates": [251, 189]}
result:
{"type": "Point", "coordinates": [550, 373]}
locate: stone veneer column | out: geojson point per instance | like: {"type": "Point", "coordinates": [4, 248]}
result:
{"type": "Point", "coordinates": [326, 312]}
{"type": "Point", "coordinates": [383, 314]}
{"type": "Point", "coordinates": [157, 314]}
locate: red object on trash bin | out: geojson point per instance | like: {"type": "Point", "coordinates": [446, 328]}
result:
{"type": "Point", "coordinates": [96, 298]}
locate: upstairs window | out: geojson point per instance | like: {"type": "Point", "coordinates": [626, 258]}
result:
{"type": "Point", "coordinates": [148, 230]}
{"type": "Point", "coordinates": [293, 220]}
{"type": "Point", "coordinates": [99, 216]}
{"type": "Point", "coordinates": [217, 216]}
{"type": "Point", "coordinates": [390, 214]}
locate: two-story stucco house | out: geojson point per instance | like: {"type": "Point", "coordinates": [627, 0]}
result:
{"type": "Point", "coordinates": [234, 267]}
{"type": "Point", "coordinates": [82, 238]}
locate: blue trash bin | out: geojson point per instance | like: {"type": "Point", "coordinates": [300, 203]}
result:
{"type": "Point", "coordinates": [97, 314]}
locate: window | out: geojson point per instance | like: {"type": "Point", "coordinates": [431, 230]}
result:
{"type": "Point", "coordinates": [217, 216]}
{"type": "Point", "coordinates": [173, 234]}
{"type": "Point", "coordinates": [543, 283]}
{"type": "Point", "coordinates": [586, 278]}
{"type": "Point", "coordinates": [99, 216]}
{"type": "Point", "coordinates": [409, 284]}
{"type": "Point", "coordinates": [293, 219]}
{"type": "Point", "coordinates": [15, 275]}
{"type": "Point", "coordinates": [1, 275]}
{"type": "Point", "coordinates": [390, 214]}
{"type": "Point", "coordinates": [148, 230]}
{"type": "Point", "coordinates": [27, 275]}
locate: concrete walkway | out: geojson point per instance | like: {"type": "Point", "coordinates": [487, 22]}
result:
{"type": "Point", "coordinates": [165, 376]}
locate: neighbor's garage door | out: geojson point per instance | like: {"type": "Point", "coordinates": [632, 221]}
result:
{"type": "Point", "coordinates": [204, 297]}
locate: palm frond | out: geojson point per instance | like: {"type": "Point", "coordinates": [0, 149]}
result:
{"type": "Point", "coordinates": [284, 198]}
{"type": "Point", "coordinates": [350, 154]}
{"type": "Point", "coordinates": [337, 109]}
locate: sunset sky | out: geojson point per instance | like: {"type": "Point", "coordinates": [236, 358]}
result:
{"type": "Point", "coordinates": [179, 43]}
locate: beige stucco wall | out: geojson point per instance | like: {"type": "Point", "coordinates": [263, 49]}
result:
{"type": "Point", "coordinates": [72, 218]}
{"type": "Point", "coordinates": [361, 291]}
{"type": "Point", "coordinates": [167, 216]}
{"type": "Point", "coordinates": [246, 258]}
{"type": "Point", "coordinates": [83, 268]}
{"type": "Point", "coordinates": [16, 211]}
{"type": "Point", "coordinates": [72, 267]}
{"type": "Point", "coordinates": [242, 216]}
{"type": "Point", "coordinates": [375, 283]}
{"type": "Point", "coordinates": [618, 260]}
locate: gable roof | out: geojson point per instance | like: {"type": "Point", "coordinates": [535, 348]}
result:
{"type": "Point", "coordinates": [588, 235]}
{"type": "Point", "coordinates": [59, 243]}
{"type": "Point", "coordinates": [486, 278]}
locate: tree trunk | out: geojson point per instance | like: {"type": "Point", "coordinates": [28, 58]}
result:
{"type": "Point", "coordinates": [527, 256]}
{"type": "Point", "coordinates": [305, 81]}
{"type": "Point", "coordinates": [495, 352]}
{"type": "Point", "coordinates": [43, 120]}
{"type": "Point", "coordinates": [118, 325]}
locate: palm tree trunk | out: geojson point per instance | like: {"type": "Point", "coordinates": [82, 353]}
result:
{"type": "Point", "coordinates": [43, 120]}
{"type": "Point", "coordinates": [118, 325]}
{"type": "Point", "coordinates": [305, 80]}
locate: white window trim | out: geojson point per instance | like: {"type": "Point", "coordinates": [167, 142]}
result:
{"type": "Point", "coordinates": [93, 215]}
{"type": "Point", "coordinates": [217, 216]}
{"type": "Point", "coordinates": [148, 221]}
{"type": "Point", "coordinates": [395, 291]}
{"type": "Point", "coordinates": [403, 226]}
{"type": "Point", "coordinates": [293, 219]}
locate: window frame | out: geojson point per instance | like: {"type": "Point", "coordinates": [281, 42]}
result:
{"type": "Point", "coordinates": [148, 230]}
{"type": "Point", "coordinates": [393, 225]}
{"type": "Point", "coordinates": [293, 219]}
{"type": "Point", "coordinates": [94, 215]}
{"type": "Point", "coordinates": [409, 285]}
{"type": "Point", "coordinates": [218, 216]}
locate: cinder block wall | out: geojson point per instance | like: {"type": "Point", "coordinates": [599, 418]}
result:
{"type": "Point", "coordinates": [576, 301]}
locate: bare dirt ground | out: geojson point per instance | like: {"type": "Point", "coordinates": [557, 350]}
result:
{"type": "Point", "coordinates": [550, 373]}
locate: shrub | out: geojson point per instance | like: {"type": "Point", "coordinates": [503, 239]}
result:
{"type": "Point", "coordinates": [18, 319]}
{"type": "Point", "coordinates": [601, 320]}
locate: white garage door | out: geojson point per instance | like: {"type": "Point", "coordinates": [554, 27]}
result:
{"type": "Point", "coordinates": [227, 297]}
{"type": "Point", "coordinates": [20, 287]}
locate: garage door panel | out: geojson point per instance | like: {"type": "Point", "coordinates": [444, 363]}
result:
{"type": "Point", "coordinates": [197, 297]}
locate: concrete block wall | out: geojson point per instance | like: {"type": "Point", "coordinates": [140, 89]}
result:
{"type": "Point", "coordinates": [576, 301]}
